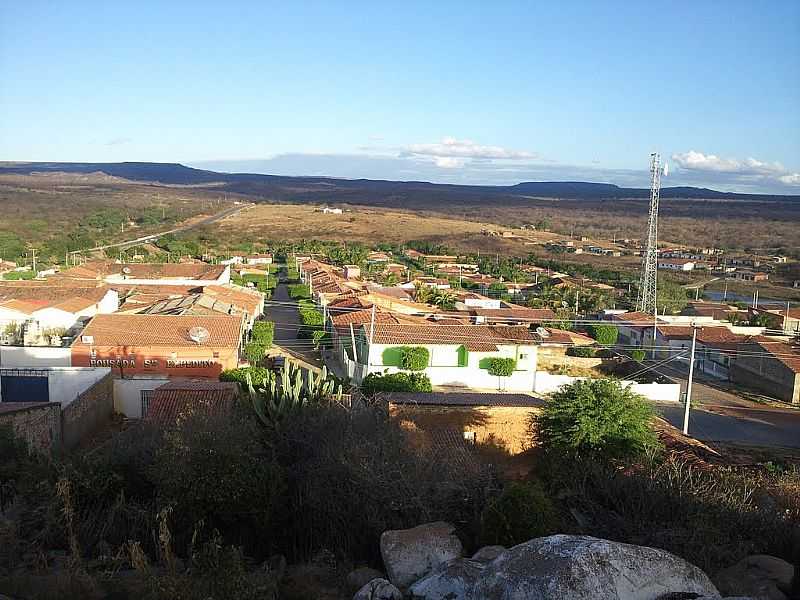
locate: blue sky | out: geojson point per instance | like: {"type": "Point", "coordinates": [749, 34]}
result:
{"type": "Point", "coordinates": [466, 92]}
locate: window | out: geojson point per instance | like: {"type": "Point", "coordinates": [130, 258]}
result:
{"type": "Point", "coordinates": [523, 356]}
{"type": "Point", "coordinates": [469, 436]}
{"type": "Point", "coordinates": [146, 396]}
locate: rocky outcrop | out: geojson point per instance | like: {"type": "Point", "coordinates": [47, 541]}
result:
{"type": "Point", "coordinates": [410, 554]}
{"type": "Point", "coordinates": [488, 553]}
{"type": "Point", "coordinates": [358, 578]}
{"type": "Point", "coordinates": [454, 580]}
{"type": "Point", "coordinates": [761, 576]}
{"type": "Point", "coordinates": [568, 568]}
{"type": "Point", "coordinates": [378, 589]}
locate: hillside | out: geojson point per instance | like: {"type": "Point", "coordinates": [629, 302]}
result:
{"type": "Point", "coordinates": [296, 187]}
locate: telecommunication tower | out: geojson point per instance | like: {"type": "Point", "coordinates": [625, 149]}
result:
{"type": "Point", "coordinates": [646, 301]}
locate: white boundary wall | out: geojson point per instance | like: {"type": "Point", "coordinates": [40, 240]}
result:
{"type": "Point", "coordinates": [547, 383]}
{"type": "Point", "coordinates": [39, 357]}
{"type": "Point", "coordinates": [64, 384]}
{"type": "Point", "coordinates": [127, 393]}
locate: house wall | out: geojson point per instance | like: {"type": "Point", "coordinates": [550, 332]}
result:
{"type": "Point", "coordinates": [65, 384]}
{"type": "Point", "coordinates": [154, 360]}
{"type": "Point", "coordinates": [8, 316]}
{"type": "Point", "coordinates": [503, 426]}
{"type": "Point", "coordinates": [766, 374]}
{"type": "Point", "coordinates": [127, 393]}
{"type": "Point", "coordinates": [34, 356]}
{"type": "Point", "coordinates": [444, 369]}
{"type": "Point", "coordinates": [40, 426]}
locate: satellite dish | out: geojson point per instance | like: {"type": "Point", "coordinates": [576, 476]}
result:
{"type": "Point", "coordinates": [666, 169]}
{"type": "Point", "coordinates": [542, 332]}
{"type": "Point", "coordinates": [126, 270]}
{"type": "Point", "coordinates": [199, 334]}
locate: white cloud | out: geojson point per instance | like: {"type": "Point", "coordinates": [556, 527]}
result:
{"type": "Point", "coordinates": [452, 153]}
{"type": "Point", "coordinates": [750, 169]}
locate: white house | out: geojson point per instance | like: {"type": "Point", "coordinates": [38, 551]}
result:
{"type": "Point", "coordinates": [332, 211]}
{"type": "Point", "coordinates": [676, 264]}
{"type": "Point", "coordinates": [459, 355]}
{"type": "Point", "coordinates": [258, 259]}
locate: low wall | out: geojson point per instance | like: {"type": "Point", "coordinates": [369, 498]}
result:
{"type": "Point", "coordinates": [34, 357]}
{"type": "Point", "coordinates": [88, 412]}
{"type": "Point", "coordinates": [68, 383]}
{"type": "Point", "coordinates": [39, 425]}
{"type": "Point", "coordinates": [520, 381]}
{"type": "Point", "coordinates": [547, 383]}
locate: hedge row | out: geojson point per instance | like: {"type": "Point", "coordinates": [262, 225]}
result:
{"type": "Point", "coordinates": [395, 382]}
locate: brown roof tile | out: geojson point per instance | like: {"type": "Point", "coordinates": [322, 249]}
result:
{"type": "Point", "coordinates": [473, 337]}
{"type": "Point", "coordinates": [161, 330]}
{"type": "Point", "coordinates": [178, 399]}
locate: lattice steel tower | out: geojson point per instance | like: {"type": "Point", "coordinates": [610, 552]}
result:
{"type": "Point", "coordinates": [646, 301]}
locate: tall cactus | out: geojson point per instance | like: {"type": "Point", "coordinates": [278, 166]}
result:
{"type": "Point", "coordinates": [277, 400]}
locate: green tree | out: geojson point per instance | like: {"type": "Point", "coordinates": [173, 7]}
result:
{"type": "Point", "coordinates": [672, 298]}
{"type": "Point", "coordinates": [597, 418]}
{"type": "Point", "coordinates": [604, 334]}
{"type": "Point", "coordinates": [522, 512]}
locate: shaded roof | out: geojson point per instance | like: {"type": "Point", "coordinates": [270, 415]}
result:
{"type": "Point", "coordinates": [362, 316]}
{"type": "Point", "coordinates": [635, 316]}
{"type": "Point", "coordinates": [462, 399]}
{"type": "Point", "coordinates": [521, 313]}
{"type": "Point", "coordinates": [479, 338]}
{"type": "Point", "coordinates": [562, 336]}
{"type": "Point", "coordinates": [179, 398]}
{"type": "Point", "coordinates": [100, 269]}
{"type": "Point", "coordinates": [161, 330]}
{"type": "Point", "coordinates": [784, 352]}
{"type": "Point", "coordinates": [51, 294]}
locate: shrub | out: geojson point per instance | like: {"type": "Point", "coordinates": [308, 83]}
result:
{"type": "Point", "coordinates": [254, 353]}
{"type": "Point", "coordinates": [258, 375]}
{"type": "Point", "coordinates": [216, 470]}
{"type": "Point", "coordinates": [298, 291]}
{"type": "Point", "coordinates": [638, 355]}
{"type": "Point", "coordinates": [502, 367]}
{"type": "Point", "coordinates": [414, 358]}
{"type": "Point", "coordinates": [395, 382]}
{"type": "Point", "coordinates": [604, 334]}
{"type": "Point", "coordinates": [263, 333]}
{"type": "Point", "coordinates": [311, 317]}
{"type": "Point", "coordinates": [582, 351]}
{"type": "Point", "coordinates": [598, 418]}
{"type": "Point", "coordinates": [522, 512]}
{"type": "Point", "coordinates": [320, 337]}
{"type": "Point", "coordinates": [351, 475]}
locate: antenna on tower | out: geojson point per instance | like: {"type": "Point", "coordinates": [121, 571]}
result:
{"type": "Point", "coordinates": [646, 301]}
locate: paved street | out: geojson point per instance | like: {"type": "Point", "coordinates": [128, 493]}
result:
{"type": "Point", "coordinates": [282, 310]}
{"type": "Point", "coordinates": [758, 426]}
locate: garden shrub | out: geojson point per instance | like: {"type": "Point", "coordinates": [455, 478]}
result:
{"type": "Point", "coordinates": [298, 291]}
{"type": "Point", "coordinates": [263, 333]}
{"type": "Point", "coordinates": [395, 382]}
{"type": "Point", "coordinates": [414, 358]}
{"type": "Point", "coordinates": [320, 337]}
{"type": "Point", "coordinates": [523, 511]}
{"type": "Point", "coordinates": [582, 351]}
{"type": "Point", "coordinates": [598, 418]}
{"type": "Point", "coordinates": [638, 355]}
{"type": "Point", "coordinates": [257, 375]}
{"type": "Point", "coordinates": [502, 367]}
{"type": "Point", "coordinates": [606, 335]}
{"type": "Point", "coordinates": [254, 353]}
{"type": "Point", "coordinates": [311, 317]}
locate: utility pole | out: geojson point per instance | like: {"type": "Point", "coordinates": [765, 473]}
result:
{"type": "Point", "coordinates": [33, 254]}
{"type": "Point", "coordinates": [371, 335]}
{"type": "Point", "coordinates": [689, 382]}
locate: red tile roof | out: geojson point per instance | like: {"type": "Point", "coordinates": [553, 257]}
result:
{"type": "Point", "coordinates": [178, 399]}
{"type": "Point", "coordinates": [161, 330]}
{"type": "Point", "coordinates": [103, 268]}
{"type": "Point", "coordinates": [633, 317]}
{"type": "Point", "coordinates": [480, 338]}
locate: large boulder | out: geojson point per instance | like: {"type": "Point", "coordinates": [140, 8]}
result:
{"type": "Point", "coordinates": [760, 576]}
{"type": "Point", "coordinates": [410, 554]}
{"type": "Point", "coordinates": [578, 567]}
{"type": "Point", "coordinates": [378, 589]}
{"type": "Point", "coordinates": [454, 580]}
{"type": "Point", "coordinates": [358, 578]}
{"type": "Point", "coordinates": [488, 553]}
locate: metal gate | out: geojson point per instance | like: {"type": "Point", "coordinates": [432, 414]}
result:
{"type": "Point", "coordinates": [18, 385]}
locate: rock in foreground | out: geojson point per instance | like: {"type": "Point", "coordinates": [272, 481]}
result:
{"type": "Point", "coordinates": [410, 554]}
{"type": "Point", "coordinates": [568, 568]}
